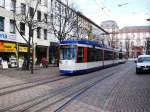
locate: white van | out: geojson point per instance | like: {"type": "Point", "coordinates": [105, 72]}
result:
{"type": "Point", "coordinates": [143, 63]}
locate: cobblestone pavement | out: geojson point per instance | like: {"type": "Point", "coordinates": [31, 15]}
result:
{"type": "Point", "coordinates": [124, 92]}
{"type": "Point", "coordinates": [13, 75]}
{"type": "Point", "coordinates": [27, 94]}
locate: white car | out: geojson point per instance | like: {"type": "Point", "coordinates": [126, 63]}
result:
{"type": "Point", "coordinates": [143, 63]}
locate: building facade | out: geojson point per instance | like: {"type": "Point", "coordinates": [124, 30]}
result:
{"type": "Point", "coordinates": [15, 31]}
{"type": "Point", "coordinates": [12, 44]}
{"type": "Point", "coordinates": [132, 39]}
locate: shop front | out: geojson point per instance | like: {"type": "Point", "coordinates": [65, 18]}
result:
{"type": "Point", "coordinates": [41, 52]}
{"type": "Point", "coordinates": [8, 53]}
{"type": "Point", "coordinates": [22, 51]}
{"type": "Point", "coordinates": [8, 48]}
{"type": "Point", "coordinates": [54, 52]}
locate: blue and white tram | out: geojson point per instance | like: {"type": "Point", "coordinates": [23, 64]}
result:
{"type": "Point", "coordinates": [83, 56]}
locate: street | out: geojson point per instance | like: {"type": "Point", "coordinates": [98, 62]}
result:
{"type": "Point", "coordinates": [115, 89]}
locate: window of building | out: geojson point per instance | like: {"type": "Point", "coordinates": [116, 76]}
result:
{"type": "Point", "coordinates": [45, 18]}
{"type": "Point", "coordinates": [45, 3]}
{"type": "Point", "coordinates": [39, 32]}
{"type": "Point", "coordinates": [12, 26]}
{"type": "Point", "coordinates": [39, 15]}
{"type": "Point", "coordinates": [31, 12]}
{"type": "Point", "coordinates": [2, 3]}
{"type": "Point", "coordinates": [45, 34]}
{"type": "Point", "coordinates": [22, 28]}
{"type": "Point", "coordinates": [13, 5]}
{"type": "Point", "coordinates": [23, 8]}
{"type": "Point", "coordinates": [1, 23]}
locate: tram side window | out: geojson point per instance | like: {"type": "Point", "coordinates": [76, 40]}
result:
{"type": "Point", "coordinates": [89, 55]}
{"type": "Point", "coordinates": [98, 55]}
{"type": "Point", "coordinates": [80, 55]}
{"type": "Point", "coordinates": [108, 55]}
{"type": "Point", "coordinates": [94, 55]}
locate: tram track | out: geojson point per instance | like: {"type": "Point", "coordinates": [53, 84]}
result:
{"type": "Point", "coordinates": [31, 81]}
{"type": "Point", "coordinates": [27, 85]}
{"type": "Point", "coordinates": [81, 86]}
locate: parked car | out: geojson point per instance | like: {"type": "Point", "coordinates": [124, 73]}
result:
{"type": "Point", "coordinates": [142, 63]}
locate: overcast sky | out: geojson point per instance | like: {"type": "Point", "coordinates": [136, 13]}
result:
{"type": "Point", "coordinates": [124, 12]}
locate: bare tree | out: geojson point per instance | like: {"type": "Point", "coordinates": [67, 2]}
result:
{"type": "Point", "coordinates": [63, 20]}
{"type": "Point", "coordinates": [25, 16]}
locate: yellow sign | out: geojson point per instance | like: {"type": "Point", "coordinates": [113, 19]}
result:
{"type": "Point", "coordinates": [5, 49]}
{"type": "Point", "coordinates": [10, 45]}
{"type": "Point", "coordinates": [23, 49]}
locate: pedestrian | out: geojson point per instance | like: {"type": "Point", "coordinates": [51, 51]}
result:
{"type": "Point", "coordinates": [44, 62]}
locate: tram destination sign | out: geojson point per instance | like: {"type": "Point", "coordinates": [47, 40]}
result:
{"type": "Point", "coordinates": [7, 37]}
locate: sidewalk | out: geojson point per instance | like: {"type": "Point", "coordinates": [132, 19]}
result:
{"type": "Point", "coordinates": [15, 75]}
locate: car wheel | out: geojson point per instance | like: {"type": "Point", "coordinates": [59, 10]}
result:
{"type": "Point", "coordinates": [138, 71]}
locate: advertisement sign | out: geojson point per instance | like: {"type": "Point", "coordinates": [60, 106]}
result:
{"type": "Point", "coordinates": [7, 37]}
{"type": "Point", "coordinates": [4, 64]}
{"type": "Point", "coordinates": [23, 49]}
{"type": "Point", "coordinates": [7, 47]}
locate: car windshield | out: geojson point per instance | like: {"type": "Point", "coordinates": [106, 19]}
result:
{"type": "Point", "coordinates": [142, 59]}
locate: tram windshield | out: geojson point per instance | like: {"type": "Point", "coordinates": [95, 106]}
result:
{"type": "Point", "coordinates": [68, 52]}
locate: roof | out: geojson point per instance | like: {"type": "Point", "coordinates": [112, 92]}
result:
{"type": "Point", "coordinates": [109, 24]}
{"type": "Point", "coordinates": [132, 29]}
{"type": "Point", "coordinates": [136, 27]}
{"type": "Point", "coordinates": [85, 42]}
{"type": "Point", "coordinates": [89, 20]}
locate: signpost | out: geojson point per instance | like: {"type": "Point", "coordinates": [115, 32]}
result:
{"type": "Point", "coordinates": [4, 64]}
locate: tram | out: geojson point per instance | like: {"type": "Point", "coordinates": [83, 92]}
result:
{"type": "Point", "coordinates": [122, 55]}
{"type": "Point", "coordinates": [83, 56]}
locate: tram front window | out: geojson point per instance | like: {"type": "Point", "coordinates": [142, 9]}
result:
{"type": "Point", "coordinates": [68, 53]}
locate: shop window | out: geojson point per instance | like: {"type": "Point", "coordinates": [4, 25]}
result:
{"type": "Point", "coordinates": [1, 23]}
{"type": "Point", "coordinates": [80, 55]}
{"type": "Point", "coordinates": [13, 5]}
{"type": "Point", "coordinates": [39, 32]}
{"type": "Point", "coordinates": [31, 12]}
{"type": "Point", "coordinates": [23, 8]}
{"type": "Point", "coordinates": [22, 28]}
{"type": "Point", "coordinates": [39, 15]}
{"type": "Point", "coordinates": [12, 26]}
{"type": "Point", "coordinates": [2, 3]}
{"type": "Point", "coordinates": [45, 34]}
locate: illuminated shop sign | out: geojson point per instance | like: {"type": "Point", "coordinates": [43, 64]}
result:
{"type": "Point", "coordinates": [7, 37]}
{"type": "Point", "coordinates": [23, 49]}
{"type": "Point", "coordinates": [7, 47]}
